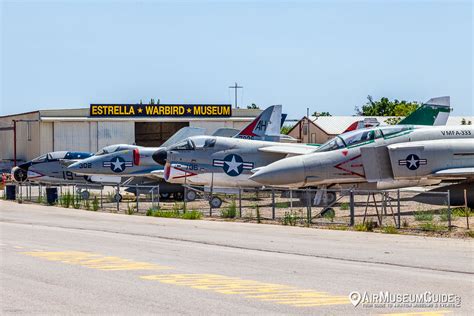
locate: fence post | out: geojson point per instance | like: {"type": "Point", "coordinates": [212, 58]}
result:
{"type": "Point", "coordinates": [184, 197]}
{"type": "Point", "coordinates": [291, 200]}
{"type": "Point", "coordinates": [158, 196]}
{"type": "Point", "coordinates": [308, 208]}
{"type": "Point", "coordinates": [101, 199]}
{"type": "Point", "coordinates": [449, 210]}
{"type": "Point", "coordinates": [273, 204]}
{"type": "Point", "coordinates": [351, 202]}
{"type": "Point", "coordinates": [398, 209]}
{"type": "Point", "coordinates": [240, 202]}
{"type": "Point", "coordinates": [137, 195]}
{"type": "Point", "coordinates": [117, 197]}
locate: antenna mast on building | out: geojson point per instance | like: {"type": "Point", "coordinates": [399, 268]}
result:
{"type": "Point", "coordinates": [235, 87]}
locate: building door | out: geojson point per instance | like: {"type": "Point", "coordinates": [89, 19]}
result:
{"type": "Point", "coordinates": [153, 134]}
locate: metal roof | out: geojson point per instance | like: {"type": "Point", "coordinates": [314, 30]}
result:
{"type": "Point", "coordinates": [335, 125]}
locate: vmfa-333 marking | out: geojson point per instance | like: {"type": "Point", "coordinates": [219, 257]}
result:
{"type": "Point", "coordinates": [392, 156]}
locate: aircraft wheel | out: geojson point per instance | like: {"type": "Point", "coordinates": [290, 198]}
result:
{"type": "Point", "coordinates": [85, 195]}
{"type": "Point", "coordinates": [178, 196]}
{"type": "Point", "coordinates": [215, 202]}
{"type": "Point", "coordinates": [191, 195]}
{"type": "Point", "coordinates": [165, 195]}
{"type": "Point", "coordinates": [330, 197]}
{"type": "Point", "coordinates": [118, 197]}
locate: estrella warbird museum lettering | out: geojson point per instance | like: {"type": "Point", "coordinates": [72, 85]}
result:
{"type": "Point", "coordinates": [154, 110]}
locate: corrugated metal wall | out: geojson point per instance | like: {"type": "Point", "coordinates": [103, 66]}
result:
{"type": "Point", "coordinates": [110, 133]}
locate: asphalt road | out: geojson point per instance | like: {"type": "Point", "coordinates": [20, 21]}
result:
{"type": "Point", "coordinates": [56, 260]}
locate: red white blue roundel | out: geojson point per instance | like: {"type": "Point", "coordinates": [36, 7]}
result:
{"type": "Point", "coordinates": [233, 165]}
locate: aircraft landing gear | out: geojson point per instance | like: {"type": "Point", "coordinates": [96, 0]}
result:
{"type": "Point", "coordinates": [178, 196]}
{"type": "Point", "coordinates": [85, 195]}
{"type": "Point", "coordinates": [118, 197]}
{"type": "Point", "coordinates": [165, 195]}
{"type": "Point", "coordinates": [215, 202]}
{"type": "Point", "coordinates": [191, 195]}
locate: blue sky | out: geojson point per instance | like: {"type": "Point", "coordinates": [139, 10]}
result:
{"type": "Point", "coordinates": [325, 55]}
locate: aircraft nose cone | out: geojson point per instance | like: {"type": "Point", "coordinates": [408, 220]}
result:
{"type": "Point", "coordinates": [160, 156]}
{"type": "Point", "coordinates": [281, 173]}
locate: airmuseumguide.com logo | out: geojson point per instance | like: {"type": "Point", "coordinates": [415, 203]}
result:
{"type": "Point", "coordinates": [385, 299]}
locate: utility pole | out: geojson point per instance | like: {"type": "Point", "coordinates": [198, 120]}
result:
{"type": "Point", "coordinates": [235, 87]}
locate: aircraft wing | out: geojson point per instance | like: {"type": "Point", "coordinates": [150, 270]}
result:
{"type": "Point", "coordinates": [156, 174]}
{"type": "Point", "coordinates": [455, 173]}
{"type": "Point", "coordinates": [289, 150]}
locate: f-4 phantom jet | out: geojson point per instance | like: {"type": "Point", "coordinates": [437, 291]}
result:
{"type": "Point", "coordinates": [381, 158]}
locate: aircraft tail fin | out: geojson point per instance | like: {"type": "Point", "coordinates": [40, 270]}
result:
{"type": "Point", "coordinates": [367, 122]}
{"type": "Point", "coordinates": [266, 124]}
{"type": "Point", "coordinates": [435, 112]}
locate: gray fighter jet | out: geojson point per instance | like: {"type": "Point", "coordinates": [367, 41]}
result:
{"type": "Point", "coordinates": [380, 158]}
{"type": "Point", "coordinates": [50, 169]}
{"type": "Point", "coordinates": [136, 161]}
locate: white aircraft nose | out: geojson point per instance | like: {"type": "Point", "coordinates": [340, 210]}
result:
{"type": "Point", "coordinates": [281, 172]}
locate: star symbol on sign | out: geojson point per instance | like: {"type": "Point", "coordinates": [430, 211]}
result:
{"type": "Point", "coordinates": [140, 110]}
{"type": "Point", "coordinates": [189, 110]}
{"type": "Point", "coordinates": [233, 165]}
{"type": "Point", "coordinates": [412, 162]}
{"type": "Point", "coordinates": [117, 164]}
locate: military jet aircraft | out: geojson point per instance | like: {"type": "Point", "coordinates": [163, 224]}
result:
{"type": "Point", "coordinates": [49, 169]}
{"type": "Point", "coordinates": [136, 161]}
{"type": "Point", "coordinates": [380, 158]}
{"type": "Point", "coordinates": [226, 164]}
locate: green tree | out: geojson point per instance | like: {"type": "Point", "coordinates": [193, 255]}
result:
{"type": "Point", "coordinates": [285, 129]}
{"type": "Point", "coordinates": [385, 107]}
{"type": "Point", "coordinates": [253, 106]}
{"type": "Point", "coordinates": [321, 113]}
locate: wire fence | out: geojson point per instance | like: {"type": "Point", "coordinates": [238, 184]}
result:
{"type": "Point", "coordinates": [364, 209]}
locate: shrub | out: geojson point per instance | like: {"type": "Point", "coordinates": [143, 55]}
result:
{"type": "Point", "coordinates": [95, 204]}
{"type": "Point", "coordinates": [462, 212]}
{"type": "Point", "coordinates": [230, 211]}
{"type": "Point", "coordinates": [390, 229]}
{"type": "Point", "coordinates": [65, 200]}
{"type": "Point", "coordinates": [365, 227]}
{"type": "Point", "coordinates": [423, 216]}
{"type": "Point", "coordinates": [344, 206]}
{"type": "Point", "coordinates": [257, 209]}
{"type": "Point", "coordinates": [192, 215]}
{"type": "Point", "coordinates": [130, 209]}
{"type": "Point", "coordinates": [329, 214]}
{"type": "Point", "coordinates": [290, 218]}
{"type": "Point", "coordinates": [405, 223]}
{"type": "Point", "coordinates": [470, 233]}
{"type": "Point", "coordinates": [431, 227]}
{"type": "Point", "coordinates": [167, 214]}
{"type": "Point", "coordinates": [87, 205]}
{"type": "Point", "coordinates": [444, 216]}
{"type": "Point", "coordinates": [76, 202]}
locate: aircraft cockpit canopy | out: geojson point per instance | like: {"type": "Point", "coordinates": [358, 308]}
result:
{"type": "Point", "coordinates": [195, 143]}
{"type": "Point", "coordinates": [114, 148]}
{"type": "Point", "coordinates": [361, 136]}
